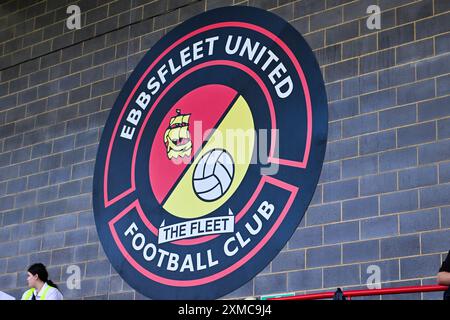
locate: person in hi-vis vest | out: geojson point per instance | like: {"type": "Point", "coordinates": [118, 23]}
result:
{"type": "Point", "coordinates": [41, 288]}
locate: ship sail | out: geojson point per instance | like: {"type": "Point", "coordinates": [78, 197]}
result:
{"type": "Point", "coordinates": [177, 138]}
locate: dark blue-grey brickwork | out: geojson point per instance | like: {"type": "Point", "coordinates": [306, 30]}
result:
{"type": "Point", "coordinates": [384, 195]}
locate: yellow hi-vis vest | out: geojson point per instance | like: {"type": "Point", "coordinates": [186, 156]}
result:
{"type": "Point", "coordinates": [31, 291]}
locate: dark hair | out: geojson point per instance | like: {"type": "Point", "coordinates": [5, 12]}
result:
{"type": "Point", "coordinates": [41, 271]}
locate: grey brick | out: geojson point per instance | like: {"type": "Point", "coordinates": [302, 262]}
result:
{"type": "Point", "coordinates": [83, 170]}
{"type": "Point", "coordinates": [86, 185]}
{"type": "Point", "coordinates": [304, 280]}
{"type": "Point", "coordinates": [12, 217]}
{"type": "Point", "coordinates": [378, 100]}
{"type": "Point", "coordinates": [399, 201]}
{"type": "Point", "coordinates": [37, 180]}
{"type": "Point", "coordinates": [63, 256]}
{"type": "Point", "coordinates": [435, 196]}
{"type": "Point", "coordinates": [25, 199]}
{"type": "Point", "coordinates": [434, 25]}
{"type": "Point", "coordinates": [334, 131]}
{"type": "Point", "coordinates": [8, 281]}
{"type": "Point", "coordinates": [328, 55]}
{"type": "Point", "coordinates": [323, 256]}
{"type": "Point", "coordinates": [359, 46]}
{"type": "Point", "coordinates": [76, 237]}
{"type": "Point", "coordinates": [342, 32]}
{"type": "Point", "coordinates": [68, 189]}
{"type": "Point", "coordinates": [79, 203]}
{"type": "Point", "coordinates": [53, 241]}
{"type": "Point", "coordinates": [306, 237]}
{"type": "Point", "coordinates": [86, 252]}
{"type": "Point", "coordinates": [361, 251]}
{"type": "Point", "coordinates": [434, 109]}
{"type": "Point", "coordinates": [434, 152]}
{"type": "Point", "coordinates": [6, 203]}
{"type": "Point", "coordinates": [389, 270]}
{"type": "Point", "coordinates": [72, 157]}
{"type": "Point", "coordinates": [432, 67]}
{"type": "Point", "coordinates": [33, 213]}
{"type": "Point", "coordinates": [166, 19]}
{"type": "Point", "coordinates": [377, 142]}
{"type": "Point", "coordinates": [316, 39]}
{"type": "Point", "coordinates": [341, 70]}
{"type": "Point", "coordinates": [401, 246]}
{"type": "Point", "coordinates": [441, 6]}
{"type": "Point", "coordinates": [325, 19]}
{"type": "Point", "coordinates": [398, 159]}
{"type": "Point", "coordinates": [333, 91]}
{"type": "Point", "coordinates": [379, 227]}
{"type": "Point", "coordinates": [66, 222]}
{"type": "Point", "coordinates": [97, 268]}
{"type": "Point", "coordinates": [9, 249]}
{"type": "Point", "coordinates": [330, 172]}
{"type": "Point", "coordinates": [60, 175]}
{"type": "Point", "coordinates": [55, 208]}
{"type": "Point", "coordinates": [289, 260]}
{"type": "Point", "coordinates": [414, 11]}
{"type": "Point", "coordinates": [359, 166]}
{"type": "Point", "coordinates": [419, 267]}
{"type": "Point", "coordinates": [66, 113]}
{"type": "Point", "coordinates": [436, 241]}
{"type": "Point", "coordinates": [444, 129]}
{"type": "Point", "coordinates": [86, 219]}
{"type": "Point", "coordinates": [41, 149]}
{"type": "Point", "coordinates": [341, 232]}
{"type": "Point", "coordinates": [12, 142]}
{"type": "Point", "coordinates": [417, 177]}
{"type": "Point", "coordinates": [360, 208]}
{"type": "Point", "coordinates": [79, 94]}
{"type": "Point", "coordinates": [339, 276]}
{"type": "Point", "coordinates": [98, 119]}
{"type": "Point", "coordinates": [50, 162]}
{"type": "Point", "coordinates": [443, 85]}
{"type": "Point", "coordinates": [376, 184]}
{"type": "Point", "coordinates": [418, 221]}
{"type": "Point", "coordinates": [21, 231]}
{"type": "Point", "coordinates": [343, 108]}
{"type": "Point", "coordinates": [376, 61]}
{"type": "Point", "coordinates": [15, 114]}
{"type": "Point", "coordinates": [359, 125]}
{"type": "Point", "coordinates": [341, 149]}
{"type": "Point", "coordinates": [415, 92]}
{"type": "Point", "coordinates": [397, 76]}
{"type": "Point", "coordinates": [189, 11]}
{"type": "Point", "coordinates": [414, 51]}
{"type": "Point", "coordinates": [398, 116]}
{"type": "Point", "coordinates": [57, 101]}
{"type": "Point", "coordinates": [16, 185]}
{"type": "Point", "coordinates": [442, 43]}
{"type": "Point", "coordinates": [306, 7]}
{"type": "Point", "coordinates": [444, 172]}
{"type": "Point", "coordinates": [28, 246]}
{"type": "Point", "coordinates": [63, 144]}
{"type": "Point", "coordinates": [341, 190]}
{"type": "Point", "coordinates": [86, 138]}
{"type": "Point", "coordinates": [396, 36]}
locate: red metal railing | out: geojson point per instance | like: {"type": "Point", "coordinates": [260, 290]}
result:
{"type": "Point", "coordinates": [369, 292]}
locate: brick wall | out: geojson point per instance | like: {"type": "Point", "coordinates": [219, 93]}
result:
{"type": "Point", "coordinates": [384, 193]}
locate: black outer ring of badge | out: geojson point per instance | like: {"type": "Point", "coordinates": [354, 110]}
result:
{"type": "Point", "coordinates": [307, 179]}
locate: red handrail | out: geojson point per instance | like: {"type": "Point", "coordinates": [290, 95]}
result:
{"type": "Point", "coordinates": [368, 292]}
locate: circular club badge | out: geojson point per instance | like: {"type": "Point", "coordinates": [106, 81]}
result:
{"type": "Point", "coordinates": [211, 155]}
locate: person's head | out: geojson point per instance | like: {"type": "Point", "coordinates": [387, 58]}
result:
{"type": "Point", "coordinates": [37, 275]}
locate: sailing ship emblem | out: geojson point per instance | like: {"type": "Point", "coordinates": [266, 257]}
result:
{"type": "Point", "coordinates": [177, 138]}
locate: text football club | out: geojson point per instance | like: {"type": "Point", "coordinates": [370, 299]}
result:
{"type": "Point", "coordinates": [211, 155]}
